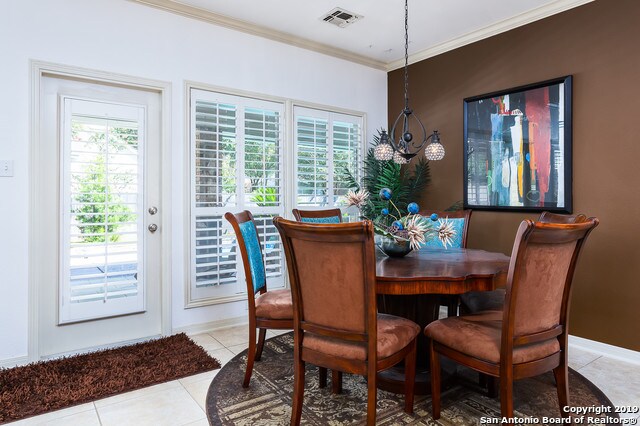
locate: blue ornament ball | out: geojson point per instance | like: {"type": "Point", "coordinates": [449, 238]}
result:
{"type": "Point", "coordinates": [385, 193]}
{"type": "Point", "coordinates": [413, 208]}
{"type": "Point", "coordinates": [434, 217]}
{"type": "Point", "coordinates": [398, 224]}
{"type": "Point", "coordinates": [385, 211]}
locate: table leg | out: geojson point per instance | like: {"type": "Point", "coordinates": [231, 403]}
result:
{"type": "Point", "coordinates": [422, 309]}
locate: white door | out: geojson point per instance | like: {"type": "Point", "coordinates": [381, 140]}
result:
{"type": "Point", "coordinates": [101, 175]}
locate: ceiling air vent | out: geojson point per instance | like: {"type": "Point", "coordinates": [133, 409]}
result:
{"type": "Point", "coordinates": [340, 17]}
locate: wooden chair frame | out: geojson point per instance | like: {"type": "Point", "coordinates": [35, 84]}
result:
{"type": "Point", "coordinates": [315, 214]}
{"type": "Point", "coordinates": [358, 232]}
{"type": "Point", "coordinates": [505, 370]}
{"type": "Point", "coordinates": [254, 352]}
{"type": "Point", "coordinates": [336, 376]}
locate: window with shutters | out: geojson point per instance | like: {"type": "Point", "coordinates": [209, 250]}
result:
{"type": "Point", "coordinates": [236, 164]}
{"type": "Point", "coordinates": [328, 145]}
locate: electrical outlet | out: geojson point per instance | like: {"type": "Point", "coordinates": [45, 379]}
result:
{"type": "Point", "coordinates": [6, 168]}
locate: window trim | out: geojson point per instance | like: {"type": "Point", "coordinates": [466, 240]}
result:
{"type": "Point", "coordinates": [289, 173]}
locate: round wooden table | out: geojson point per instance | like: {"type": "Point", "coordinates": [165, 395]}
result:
{"type": "Point", "coordinates": [410, 287]}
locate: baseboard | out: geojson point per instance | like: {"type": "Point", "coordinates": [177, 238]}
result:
{"type": "Point", "coordinates": [14, 362]}
{"type": "Point", "coordinates": [611, 351]}
{"type": "Point", "coordinates": [211, 326]}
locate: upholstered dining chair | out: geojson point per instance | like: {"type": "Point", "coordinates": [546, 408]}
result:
{"type": "Point", "coordinates": [270, 309]}
{"type": "Point", "coordinates": [332, 270]}
{"type": "Point", "coordinates": [529, 337]}
{"type": "Point", "coordinates": [478, 301]}
{"type": "Point", "coordinates": [318, 216]}
{"type": "Point", "coordinates": [460, 221]}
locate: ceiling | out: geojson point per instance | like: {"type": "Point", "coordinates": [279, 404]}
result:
{"type": "Point", "coordinates": [435, 26]}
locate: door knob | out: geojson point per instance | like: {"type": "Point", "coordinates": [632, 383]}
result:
{"type": "Point", "coordinates": [153, 210]}
{"type": "Point", "coordinates": [153, 228]}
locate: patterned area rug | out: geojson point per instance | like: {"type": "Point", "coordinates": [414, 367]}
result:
{"type": "Point", "coordinates": [268, 399]}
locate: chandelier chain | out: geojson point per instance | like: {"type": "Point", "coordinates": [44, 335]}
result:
{"type": "Point", "coordinates": [406, 54]}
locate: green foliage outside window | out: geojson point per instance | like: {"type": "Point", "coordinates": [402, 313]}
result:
{"type": "Point", "coordinates": [99, 211]}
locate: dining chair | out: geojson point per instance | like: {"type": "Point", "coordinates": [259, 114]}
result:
{"type": "Point", "coordinates": [332, 270]}
{"type": "Point", "coordinates": [460, 220]}
{"type": "Point", "coordinates": [478, 301]}
{"type": "Point", "coordinates": [529, 337]}
{"type": "Point", "coordinates": [318, 216]}
{"type": "Point", "coordinates": [271, 309]}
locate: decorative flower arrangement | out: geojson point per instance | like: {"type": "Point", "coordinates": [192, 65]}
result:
{"type": "Point", "coordinates": [411, 228]}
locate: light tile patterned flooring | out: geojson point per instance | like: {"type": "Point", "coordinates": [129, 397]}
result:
{"type": "Point", "coordinates": [182, 402]}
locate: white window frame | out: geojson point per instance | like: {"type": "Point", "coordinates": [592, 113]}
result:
{"type": "Point", "coordinates": [331, 116]}
{"type": "Point", "coordinates": [237, 290]}
{"type": "Point", "coordinates": [288, 174]}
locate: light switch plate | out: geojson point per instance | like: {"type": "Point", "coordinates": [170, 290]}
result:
{"type": "Point", "coordinates": [6, 168]}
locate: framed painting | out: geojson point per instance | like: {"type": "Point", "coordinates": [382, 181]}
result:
{"type": "Point", "coordinates": [517, 149]}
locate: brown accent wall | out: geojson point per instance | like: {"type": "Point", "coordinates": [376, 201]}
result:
{"type": "Point", "coordinates": [598, 44]}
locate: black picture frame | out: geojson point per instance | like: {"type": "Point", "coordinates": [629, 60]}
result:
{"type": "Point", "coordinates": [500, 173]}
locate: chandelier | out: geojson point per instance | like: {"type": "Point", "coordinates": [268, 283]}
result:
{"type": "Point", "coordinates": [403, 148]}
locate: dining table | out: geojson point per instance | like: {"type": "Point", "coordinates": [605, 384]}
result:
{"type": "Point", "coordinates": [411, 287]}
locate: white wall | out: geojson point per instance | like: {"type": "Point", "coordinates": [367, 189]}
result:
{"type": "Point", "coordinates": [123, 37]}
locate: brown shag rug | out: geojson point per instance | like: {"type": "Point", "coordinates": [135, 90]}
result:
{"type": "Point", "coordinates": [267, 401]}
{"type": "Point", "coordinates": [50, 385]}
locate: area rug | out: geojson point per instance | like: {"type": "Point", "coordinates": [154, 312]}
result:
{"type": "Point", "coordinates": [267, 401]}
{"type": "Point", "coordinates": [50, 385]}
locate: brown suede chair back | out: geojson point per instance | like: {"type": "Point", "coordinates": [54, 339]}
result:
{"type": "Point", "coordinates": [331, 291]}
{"type": "Point", "coordinates": [548, 217]}
{"type": "Point", "coordinates": [540, 274]}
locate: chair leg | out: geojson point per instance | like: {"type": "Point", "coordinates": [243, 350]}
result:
{"type": "Point", "coordinates": [336, 382]}
{"type": "Point", "coordinates": [452, 305]}
{"type": "Point", "coordinates": [492, 387]}
{"type": "Point", "coordinates": [261, 336]}
{"type": "Point", "coordinates": [561, 374]}
{"type": "Point", "coordinates": [298, 392]}
{"type": "Point", "coordinates": [410, 378]}
{"type": "Point", "coordinates": [372, 396]}
{"type": "Point", "coordinates": [322, 377]}
{"type": "Point", "coordinates": [435, 380]}
{"type": "Point", "coordinates": [251, 355]}
{"type": "Point", "coordinates": [506, 395]}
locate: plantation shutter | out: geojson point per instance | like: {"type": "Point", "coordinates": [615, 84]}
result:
{"type": "Point", "coordinates": [236, 165]}
{"type": "Point", "coordinates": [347, 143]}
{"type": "Point", "coordinates": [312, 139]}
{"type": "Point", "coordinates": [328, 146]}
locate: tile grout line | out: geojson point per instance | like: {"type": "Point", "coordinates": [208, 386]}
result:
{"type": "Point", "coordinates": [590, 362]}
{"type": "Point", "coordinates": [204, 413]}
{"type": "Point", "coordinates": [97, 413]}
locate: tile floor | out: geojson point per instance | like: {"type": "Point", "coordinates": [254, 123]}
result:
{"type": "Point", "coordinates": [182, 402]}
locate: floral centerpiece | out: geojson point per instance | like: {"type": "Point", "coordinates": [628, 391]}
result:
{"type": "Point", "coordinates": [400, 232]}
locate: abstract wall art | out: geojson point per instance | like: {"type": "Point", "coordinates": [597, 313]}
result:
{"type": "Point", "coordinates": [517, 153]}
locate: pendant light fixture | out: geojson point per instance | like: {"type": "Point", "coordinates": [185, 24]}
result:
{"type": "Point", "coordinates": [403, 148]}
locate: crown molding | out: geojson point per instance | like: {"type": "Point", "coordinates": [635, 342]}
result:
{"type": "Point", "coordinates": [505, 25]}
{"type": "Point", "coordinates": [260, 31]}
